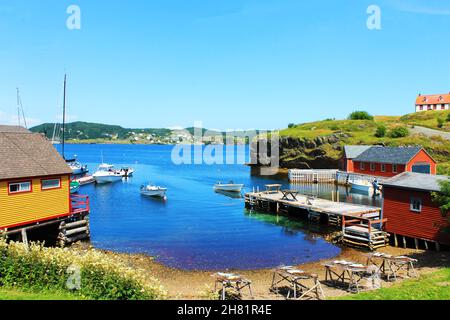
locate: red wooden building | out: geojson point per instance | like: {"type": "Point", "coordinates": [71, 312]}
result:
{"type": "Point", "coordinates": [410, 211]}
{"type": "Point", "coordinates": [388, 161]}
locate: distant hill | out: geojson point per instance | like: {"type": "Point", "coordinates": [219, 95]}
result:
{"type": "Point", "coordinates": [93, 131]}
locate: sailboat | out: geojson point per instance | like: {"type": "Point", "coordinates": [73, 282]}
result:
{"type": "Point", "coordinates": [74, 164]}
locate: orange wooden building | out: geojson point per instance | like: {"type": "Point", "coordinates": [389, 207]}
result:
{"type": "Point", "coordinates": [410, 211]}
{"type": "Point", "coordinates": [34, 183]}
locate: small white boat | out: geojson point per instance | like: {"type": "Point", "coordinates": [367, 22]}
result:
{"type": "Point", "coordinates": [153, 191]}
{"type": "Point", "coordinates": [126, 172]}
{"type": "Point", "coordinates": [361, 186]}
{"type": "Point", "coordinates": [77, 167]}
{"type": "Point", "coordinates": [107, 174]}
{"type": "Point", "coordinates": [229, 187]}
{"type": "Point", "coordinates": [85, 180]}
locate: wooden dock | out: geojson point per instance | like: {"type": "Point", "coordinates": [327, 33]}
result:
{"type": "Point", "coordinates": [328, 176]}
{"type": "Point", "coordinates": [361, 225]}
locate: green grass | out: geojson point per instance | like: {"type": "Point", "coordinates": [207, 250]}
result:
{"type": "Point", "coordinates": [18, 294]}
{"type": "Point", "coordinates": [434, 286]}
{"type": "Point", "coordinates": [363, 132]}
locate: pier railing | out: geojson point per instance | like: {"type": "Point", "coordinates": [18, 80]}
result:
{"type": "Point", "coordinates": [79, 204]}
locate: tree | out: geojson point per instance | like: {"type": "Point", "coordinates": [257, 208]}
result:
{"type": "Point", "coordinates": [399, 132]}
{"type": "Point", "coordinates": [442, 198]}
{"type": "Point", "coordinates": [291, 125]}
{"type": "Point", "coordinates": [360, 115]}
{"type": "Point", "coordinates": [381, 131]}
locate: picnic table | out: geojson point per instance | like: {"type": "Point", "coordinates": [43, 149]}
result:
{"type": "Point", "coordinates": [287, 193]}
{"type": "Point", "coordinates": [392, 266]}
{"type": "Point", "coordinates": [273, 188]}
{"type": "Point", "coordinates": [298, 280]}
{"type": "Point", "coordinates": [349, 274]}
{"type": "Point", "coordinates": [233, 281]}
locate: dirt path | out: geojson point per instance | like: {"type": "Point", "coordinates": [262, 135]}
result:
{"type": "Point", "coordinates": [430, 132]}
{"type": "Point", "coordinates": [194, 285]}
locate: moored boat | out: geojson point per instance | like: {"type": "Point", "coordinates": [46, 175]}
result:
{"type": "Point", "coordinates": [126, 172]}
{"type": "Point", "coordinates": [107, 174]}
{"type": "Point", "coordinates": [77, 167]}
{"type": "Point", "coordinates": [74, 187]}
{"type": "Point", "coordinates": [153, 191]}
{"type": "Point", "coordinates": [229, 187]}
{"type": "Point", "coordinates": [85, 180]}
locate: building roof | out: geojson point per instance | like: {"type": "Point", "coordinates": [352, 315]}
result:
{"type": "Point", "coordinates": [391, 155]}
{"type": "Point", "coordinates": [433, 99]}
{"type": "Point", "coordinates": [352, 152]}
{"type": "Point", "coordinates": [27, 155]}
{"type": "Point", "coordinates": [416, 181]}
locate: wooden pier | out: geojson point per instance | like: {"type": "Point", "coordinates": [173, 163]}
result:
{"type": "Point", "coordinates": [361, 225]}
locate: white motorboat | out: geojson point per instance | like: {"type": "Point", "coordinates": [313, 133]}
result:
{"type": "Point", "coordinates": [361, 186]}
{"type": "Point", "coordinates": [77, 167]}
{"type": "Point", "coordinates": [107, 174]}
{"type": "Point", "coordinates": [153, 191]}
{"type": "Point", "coordinates": [229, 187]}
{"type": "Point", "coordinates": [126, 172]}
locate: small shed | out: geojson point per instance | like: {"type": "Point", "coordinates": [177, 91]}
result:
{"type": "Point", "coordinates": [410, 210]}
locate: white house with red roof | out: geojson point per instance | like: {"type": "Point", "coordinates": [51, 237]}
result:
{"type": "Point", "coordinates": [433, 102]}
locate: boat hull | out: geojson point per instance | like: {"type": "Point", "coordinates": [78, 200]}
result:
{"type": "Point", "coordinates": [154, 193]}
{"type": "Point", "coordinates": [107, 179]}
{"type": "Point", "coordinates": [229, 188]}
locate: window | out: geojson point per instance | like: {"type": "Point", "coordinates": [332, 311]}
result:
{"type": "Point", "coordinates": [383, 167]}
{"type": "Point", "coordinates": [51, 184]}
{"type": "Point", "coordinates": [394, 168]}
{"type": "Point", "coordinates": [372, 167]}
{"type": "Point", "coordinates": [443, 107]}
{"type": "Point", "coordinates": [421, 108]}
{"type": "Point", "coordinates": [416, 204]}
{"type": "Point", "coordinates": [362, 166]}
{"type": "Point", "coordinates": [20, 187]}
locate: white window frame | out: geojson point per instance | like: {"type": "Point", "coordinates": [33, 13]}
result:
{"type": "Point", "coordinates": [50, 188]}
{"type": "Point", "coordinates": [20, 184]}
{"type": "Point", "coordinates": [362, 166]}
{"type": "Point", "coordinates": [383, 167]}
{"type": "Point", "coordinates": [394, 168]}
{"type": "Point", "coordinates": [373, 167]}
{"type": "Point", "coordinates": [412, 203]}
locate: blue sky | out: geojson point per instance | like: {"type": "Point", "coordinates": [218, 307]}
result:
{"type": "Point", "coordinates": [232, 64]}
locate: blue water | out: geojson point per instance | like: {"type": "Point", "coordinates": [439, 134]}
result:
{"type": "Point", "coordinates": [195, 228]}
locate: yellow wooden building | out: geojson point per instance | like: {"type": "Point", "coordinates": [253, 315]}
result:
{"type": "Point", "coordinates": [34, 183]}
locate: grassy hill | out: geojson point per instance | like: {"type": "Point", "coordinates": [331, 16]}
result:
{"type": "Point", "coordinates": [359, 132]}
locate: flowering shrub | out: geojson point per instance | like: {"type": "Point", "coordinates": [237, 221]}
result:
{"type": "Point", "coordinates": [90, 274]}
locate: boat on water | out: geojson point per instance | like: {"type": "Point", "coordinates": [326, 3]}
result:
{"type": "Point", "coordinates": [153, 191]}
{"type": "Point", "coordinates": [228, 187]}
{"type": "Point", "coordinates": [126, 172]}
{"type": "Point", "coordinates": [77, 168]}
{"type": "Point", "coordinates": [365, 187]}
{"type": "Point", "coordinates": [106, 174]}
{"type": "Point", "coordinates": [74, 187]}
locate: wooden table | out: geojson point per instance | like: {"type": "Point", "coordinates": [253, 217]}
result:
{"type": "Point", "coordinates": [341, 272]}
{"type": "Point", "coordinates": [391, 266]}
{"type": "Point", "coordinates": [287, 193]}
{"type": "Point", "coordinates": [297, 279]}
{"type": "Point", "coordinates": [273, 188]}
{"type": "Point", "coordinates": [233, 281]}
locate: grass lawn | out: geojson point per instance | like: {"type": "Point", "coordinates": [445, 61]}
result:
{"type": "Point", "coordinates": [17, 294]}
{"type": "Point", "coordinates": [434, 286]}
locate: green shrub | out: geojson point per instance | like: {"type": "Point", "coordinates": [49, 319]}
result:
{"type": "Point", "coordinates": [291, 125]}
{"type": "Point", "coordinates": [381, 131]}
{"type": "Point", "coordinates": [448, 117]}
{"type": "Point", "coordinates": [440, 122]}
{"type": "Point", "coordinates": [399, 132]}
{"type": "Point", "coordinates": [360, 115]}
{"type": "Point", "coordinates": [101, 277]}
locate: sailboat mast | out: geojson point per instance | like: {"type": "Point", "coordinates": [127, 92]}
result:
{"type": "Point", "coordinates": [64, 117]}
{"type": "Point", "coordinates": [18, 106]}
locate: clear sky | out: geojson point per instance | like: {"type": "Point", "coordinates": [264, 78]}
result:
{"type": "Point", "coordinates": [232, 64]}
